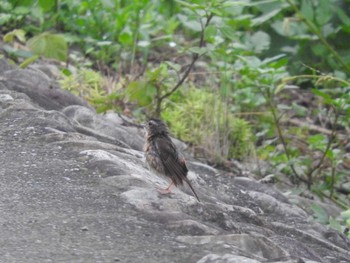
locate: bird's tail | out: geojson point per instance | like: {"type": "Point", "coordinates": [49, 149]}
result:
{"type": "Point", "coordinates": [193, 191]}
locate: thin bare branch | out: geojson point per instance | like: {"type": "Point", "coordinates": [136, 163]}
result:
{"type": "Point", "coordinates": [194, 59]}
{"type": "Point", "coordinates": [284, 143]}
{"type": "Point", "coordinates": [329, 145]}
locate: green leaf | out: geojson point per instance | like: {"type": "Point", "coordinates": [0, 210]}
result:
{"type": "Point", "coordinates": [317, 142]}
{"type": "Point", "coordinates": [320, 214]}
{"type": "Point", "coordinates": [261, 2]}
{"type": "Point", "coordinates": [246, 3]}
{"type": "Point", "coordinates": [154, 75]}
{"type": "Point", "coordinates": [279, 63]}
{"type": "Point", "coordinates": [328, 30]}
{"type": "Point", "coordinates": [265, 17]}
{"type": "Point", "coordinates": [17, 52]}
{"type": "Point", "coordinates": [5, 6]}
{"type": "Point", "coordinates": [21, 10]}
{"type": "Point", "coordinates": [345, 214]}
{"type": "Point", "coordinates": [324, 12]}
{"type": "Point", "coordinates": [17, 33]}
{"type": "Point", "coordinates": [319, 49]}
{"type": "Point", "coordinates": [38, 13]}
{"type": "Point", "coordinates": [66, 72]}
{"type": "Point", "coordinates": [228, 32]}
{"type": "Point", "coordinates": [190, 24]}
{"type": "Point", "coordinates": [190, 6]}
{"type": "Point", "coordinates": [326, 97]}
{"type": "Point", "coordinates": [252, 62]}
{"type": "Point", "coordinates": [210, 32]}
{"type": "Point", "coordinates": [260, 41]}
{"type": "Point", "coordinates": [141, 92]}
{"type": "Point", "coordinates": [333, 223]}
{"type": "Point", "coordinates": [291, 28]}
{"type": "Point", "coordinates": [342, 16]}
{"type": "Point", "coordinates": [283, 107]}
{"type": "Point", "coordinates": [339, 74]}
{"type": "Point", "coordinates": [174, 66]}
{"type": "Point", "coordinates": [47, 5]}
{"type": "Point", "coordinates": [72, 38]}
{"type": "Point", "coordinates": [29, 61]}
{"type": "Point", "coordinates": [4, 18]}
{"type": "Point", "coordinates": [125, 37]}
{"type": "Point", "coordinates": [273, 59]}
{"type": "Point", "coordinates": [49, 45]}
{"type": "Point", "coordinates": [198, 50]}
{"type": "Point", "coordinates": [24, 2]}
{"type": "Point", "coordinates": [108, 3]}
{"type": "Point", "coordinates": [307, 9]}
{"type": "Point", "coordinates": [299, 110]}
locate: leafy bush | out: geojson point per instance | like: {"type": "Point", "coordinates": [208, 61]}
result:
{"type": "Point", "coordinates": [312, 33]}
{"type": "Point", "coordinates": [97, 90]}
{"type": "Point", "coordinates": [341, 223]}
{"type": "Point", "coordinates": [199, 117]}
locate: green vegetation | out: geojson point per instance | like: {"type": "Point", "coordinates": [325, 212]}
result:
{"type": "Point", "coordinates": [102, 93]}
{"type": "Point", "coordinates": [265, 80]}
{"type": "Point", "coordinates": [201, 118]}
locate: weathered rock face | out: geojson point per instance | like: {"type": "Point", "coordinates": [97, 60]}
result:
{"type": "Point", "coordinates": [75, 188]}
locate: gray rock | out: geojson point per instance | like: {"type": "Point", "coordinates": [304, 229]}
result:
{"type": "Point", "coordinates": [255, 186]}
{"type": "Point", "coordinates": [227, 258]}
{"type": "Point", "coordinates": [37, 86]}
{"type": "Point", "coordinates": [50, 71]}
{"type": "Point", "coordinates": [87, 118]}
{"type": "Point", "coordinates": [5, 97]}
{"type": "Point", "coordinates": [258, 247]}
{"type": "Point", "coordinates": [5, 66]}
{"type": "Point", "coordinates": [75, 188]}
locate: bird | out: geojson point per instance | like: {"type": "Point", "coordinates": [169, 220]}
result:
{"type": "Point", "coordinates": [163, 157]}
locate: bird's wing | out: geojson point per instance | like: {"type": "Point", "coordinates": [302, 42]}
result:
{"type": "Point", "coordinates": [174, 164]}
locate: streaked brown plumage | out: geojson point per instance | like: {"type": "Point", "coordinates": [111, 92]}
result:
{"type": "Point", "coordinates": [162, 155]}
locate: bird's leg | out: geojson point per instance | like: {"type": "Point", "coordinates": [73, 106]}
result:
{"type": "Point", "coordinates": [166, 190]}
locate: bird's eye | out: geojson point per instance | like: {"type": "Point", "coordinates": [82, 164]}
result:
{"type": "Point", "coordinates": [151, 123]}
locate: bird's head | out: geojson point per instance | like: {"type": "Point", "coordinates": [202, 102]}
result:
{"type": "Point", "coordinates": [156, 127]}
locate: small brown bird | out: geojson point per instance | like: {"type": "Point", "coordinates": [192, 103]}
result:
{"type": "Point", "coordinates": [162, 155]}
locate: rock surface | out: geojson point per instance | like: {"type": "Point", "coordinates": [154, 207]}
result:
{"type": "Point", "coordinates": [75, 188]}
